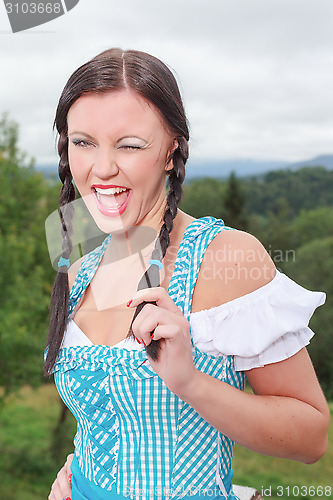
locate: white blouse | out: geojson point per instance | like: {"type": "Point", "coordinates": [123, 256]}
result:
{"type": "Point", "coordinates": [265, 326]}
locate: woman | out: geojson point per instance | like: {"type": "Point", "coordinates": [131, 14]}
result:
{"type": "Point", "coordinates": [158, 418]}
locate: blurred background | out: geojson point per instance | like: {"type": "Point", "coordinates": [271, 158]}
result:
{"type": "Point", "coordinates": [257, 79]}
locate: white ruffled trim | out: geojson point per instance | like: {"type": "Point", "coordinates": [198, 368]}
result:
{"type": "Point", "coordinates": [285, 347]}
{"type": "Point", "coordinates": [264, 326]}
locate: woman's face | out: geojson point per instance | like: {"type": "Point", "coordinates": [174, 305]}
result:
{"type": "Point", "coordinates": [118, 148]}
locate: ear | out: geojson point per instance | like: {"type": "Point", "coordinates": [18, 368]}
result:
{"type": "Point", "coordinates": [169, 163]}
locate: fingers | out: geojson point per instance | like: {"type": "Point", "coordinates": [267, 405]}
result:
{"type": "Point", "coordinates": [164, 323]}
{"type": "Point", "coordinates": [61, 487]}
{"type": "Point", "coordinates": [170, 332]}
{"type": "Point", "coordinates": [69, 463]}
{"type": "Point", "coordinates": [55, 492]}
{"type": "Point", "coordinates": [156, 294]}
{"type": "Point", "coordinates": [146, 322]}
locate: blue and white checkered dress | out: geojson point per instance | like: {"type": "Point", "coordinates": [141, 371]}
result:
{"type": "Point", "coordinates": [135, 437]}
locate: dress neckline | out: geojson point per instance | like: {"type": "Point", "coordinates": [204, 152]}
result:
{"type": "Point", "coordinates": [243, 299]}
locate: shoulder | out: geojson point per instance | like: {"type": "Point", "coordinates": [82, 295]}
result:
{"type": "Point", "coordinates": [236, 246]}
{"type": "Point", "coordinates": [235, 263]}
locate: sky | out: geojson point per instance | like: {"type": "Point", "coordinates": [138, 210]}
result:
{"type": "Point", "coordinates": [256, 76]}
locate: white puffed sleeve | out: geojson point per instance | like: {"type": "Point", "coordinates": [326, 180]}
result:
{"type": "Point", "coordinates": [264, 326]}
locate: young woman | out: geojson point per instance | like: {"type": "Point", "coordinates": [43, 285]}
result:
{"type": "Point", "coordinates": [155, 377]}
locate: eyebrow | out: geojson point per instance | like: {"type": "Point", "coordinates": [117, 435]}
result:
{"type": "Point", "coordinates": [81, 133]}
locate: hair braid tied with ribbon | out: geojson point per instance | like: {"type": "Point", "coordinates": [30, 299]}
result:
{"type": "Point", "coordinates": [60, 293]}
{"type": "Point", "coordinates": [151, 278]}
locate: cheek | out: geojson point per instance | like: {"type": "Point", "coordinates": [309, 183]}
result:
{"type": "Point", "coordinates": [147, 170]}
{"type": "Point", "coordinates": [78, 167]}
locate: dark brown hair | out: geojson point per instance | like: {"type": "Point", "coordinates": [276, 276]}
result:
{"type": "Point", "coordinates": [115, 69]}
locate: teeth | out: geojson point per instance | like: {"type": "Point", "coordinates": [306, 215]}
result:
{"type": "Point", "coordinates": [116, 190]}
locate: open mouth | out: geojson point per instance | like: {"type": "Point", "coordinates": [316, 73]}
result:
{"type": "Point", "coordinates": [111, 200]}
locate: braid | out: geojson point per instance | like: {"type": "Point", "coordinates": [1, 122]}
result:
{"type": "Point", "coordinates": [151, 277]}
{"type": "Point", "coordinates": [60, 293]}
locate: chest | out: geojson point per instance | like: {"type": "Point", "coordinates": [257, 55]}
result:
{"type": "Point", "coordinates": [102, 313]}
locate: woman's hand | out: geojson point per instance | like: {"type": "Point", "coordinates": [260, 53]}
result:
{"type": "Point", "coordinates": [175, 362]}
{"type": "Point", "coordinates": [61, 488]}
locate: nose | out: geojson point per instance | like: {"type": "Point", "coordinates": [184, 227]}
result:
{"type": "Point", "coordinates": [105, 165]}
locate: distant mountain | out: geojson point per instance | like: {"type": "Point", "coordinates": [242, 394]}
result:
{"type": "Point", "coordinates": [248, 167]}
{"type": "Point", "coordinates": [319, 161]}
{"type": "Point", "coordinates": [220, 169]}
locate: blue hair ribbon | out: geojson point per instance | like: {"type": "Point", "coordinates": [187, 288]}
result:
{"type": "Point", "coordinates": [156, 263]}
{"type": "Point", "coordinates": [63, 262]}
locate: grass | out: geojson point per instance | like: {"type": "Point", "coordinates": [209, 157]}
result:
{"type": "Point", "coordinates": [28, 466]}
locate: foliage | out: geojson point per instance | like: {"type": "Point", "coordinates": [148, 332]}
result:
{"type": "Point", "coordinates": [234, 204]}
{"type": "Point", "coordinates": [27, 462]}
{"type": "Point", "coordinates": [26, 199]}
{"type": "Point", "coordinates": [305, 188]}
{"type": "Point", "coordinates": [276, 232]}
{"type": "Point", "coordinates": [204, 197]}
{"type": "Point", "coordinates": [313, 224]}
{"type": "Point", "coordinates": [224, 200]}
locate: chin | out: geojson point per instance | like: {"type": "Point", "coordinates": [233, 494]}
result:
{"type": "Point", "coordinates": [105, 223]}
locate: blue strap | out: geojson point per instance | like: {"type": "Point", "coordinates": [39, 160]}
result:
{"type": "Point", "coordinates": [194, 251]}
{"type": "Point", "coordinates": [197, 237]}
{"type": "Point", "coordinates": [86, 273]}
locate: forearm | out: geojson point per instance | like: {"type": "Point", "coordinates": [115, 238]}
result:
{"type": "Point", "coordinates": [271, 425]}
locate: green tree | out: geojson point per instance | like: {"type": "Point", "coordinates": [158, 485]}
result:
{"type": "Point", "coordinates": [276, 232]}
{"type": "Point", "coordinates": [26, 275]}
{"type": "Point", "coordinates": [204, 197]}
{"type": "Point", "coordinates": [305, 188]}
{"type": "Point", "coordinates": [234, 204]}
{"type": "Point", "coordinates": [313, 224]}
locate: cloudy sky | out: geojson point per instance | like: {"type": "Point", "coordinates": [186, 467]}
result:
{"type": "Point", "coordinates": [256, 75]}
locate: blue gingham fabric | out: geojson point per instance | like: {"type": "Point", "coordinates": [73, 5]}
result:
{"type": "Point", "coordinates": [134, 436]}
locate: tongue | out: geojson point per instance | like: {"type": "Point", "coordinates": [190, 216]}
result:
{"type": "Point", "coordinates": [113, 200]}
